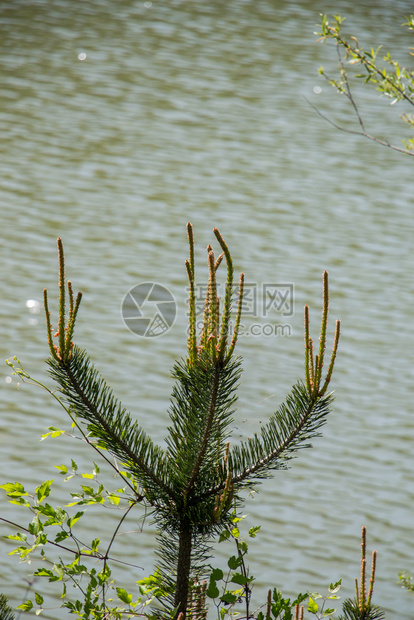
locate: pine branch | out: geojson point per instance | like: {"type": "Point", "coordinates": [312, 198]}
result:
{"type": "Point", "coordinates": [6, 612]}
{"type": "Point", "coordinates": [92, 400]}
{"type": "Point", "coordinates": [202, 408]}
{"type": "Point", "coordinates": [207, 431]}
{"type": "Point", "coordinates": [296, 422]}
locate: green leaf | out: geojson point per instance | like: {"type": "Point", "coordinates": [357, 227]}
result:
{"type": "Point", "coordinates": [254, 530]}
{"type": "Point", "coordinates": [60, 514]}
{"type": "Point", "coordinates": [13, 489]}
{"type": "Point", "coordinates": [225, 535]}
{"type": "Point", "coordinates": [87, 490]}
{"type": "Point", "coordinates": [114, 499]}
{"type": "Point", "coordinates": [243, 547]}
{"type": "Point", "coordinates": [43, 572]}
{"type": "Point", "coordinates": [47, 510]}
{"type": "Point", "coordinates": [299, 599]}
{"type": "Point", "coordinates": [240, 579]}
{"type": "Point", "coordinates": [36, 526]}
{"type": "Point", "coordinates": [95, 544]}
{"type": "Point", "coordinates": [328, 612]}
{"type": "Point", "coordinates": [27, 606]}
{"type": "Point", "coordinates": [236, 519]}
{"type": "Point", "coordinates": [104, 575]}
{"type": "Point", "coordinates": [38, 598]}
{"type": "Point", "coordinates": [124, 596]}
{"type": "Point", "coordinates": [17, 536]}
{"type": "Point", "coordinates": [234, 562]}
{"type": "Point", "coordinates": [62, 468]}
{"type": "Point", "coordinates": [54, 432]}
{"type": "Point", "coordinates": [229, 598]}
{"type": "Point", "coordinates": [41, 540]}
{"type": "Point", "coordinates": [20, 502]}
{"type": "Point", "coordinates": [22, 550]}
{"type": "Point", "coordinates": [334, 587]}
{"type": "Point", "coordinates": [43, 490]}
{"type": "Point", "coordinates": [59, 571]}
{"type": "Point", "coordinates": [72, 520]}
{"type": "Point", "coordinates": [312, 606]}
{"type": "Point", "coordinates": [212, 590]}
{"type": "Point", "coordinates": [216, 574]}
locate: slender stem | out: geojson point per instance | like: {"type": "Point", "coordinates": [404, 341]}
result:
{"type": "Point", "coordinates": [312, 364]}
{"type": "Point", "coordinates": [73, 311]}
{"type": "Point", "coordinates": [268, 604]}
{"type": "Point", "coordinates": [192, 331]}
{"type": "Point", "coordinates": [348, 90]}
{"type": "Point", "coordinates": [372, 580]}
{"type": "Point", "coordinates": [333, 357]}
{"type": "Point", "coordinates": [190, 266]}
{"type": "Point", "coordinates": [244, 571]}
{"type": "Point", "coordinates": [309, 376]}
{"type": "Point", "coordinates": [61, 298]}
{"type": "Point", "coordinates": [238, 318]}
{"type": "Point", "coordinates": [229, 291]}
{"type": "Point", "coordinates": [218, 261]}
{"type": "Point", "coordinates": [322, 337]}
{"type": "Point", "coordinates": [363, 568]}
{"type": "Point", "coordinates": [213, 322]}
{"type": "Point", "coordinates": [191, 245]}
{"type": "Point", "coordinates": [364, 134]}
{"type": "Point", "coordinates": [49, 326]}
{"type": "Point", "coordinates": [124, 516]}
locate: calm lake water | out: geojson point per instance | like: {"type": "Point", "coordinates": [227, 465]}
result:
{"type": "Point", "coordinates": [120, 122]}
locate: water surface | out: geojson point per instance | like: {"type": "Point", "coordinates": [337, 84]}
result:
{"type": "Point", "coordinates": [196, 111]}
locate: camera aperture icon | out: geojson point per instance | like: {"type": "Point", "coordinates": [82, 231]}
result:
{"type": "Point", "coordinates": [149, 309]}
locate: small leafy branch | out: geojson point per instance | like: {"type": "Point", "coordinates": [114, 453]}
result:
{"type": "Point", "coordinates": [319, 610]}
{"type": "Point", "coordinates": [391, 79]}
{"type": "Point", "coordinates": [232, 590]}
{"type": "Point", "coordinates": [193, 485]}
{"type": "Point", "coordinates": [406, 582]}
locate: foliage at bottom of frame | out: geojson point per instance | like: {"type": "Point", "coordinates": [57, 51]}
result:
{"type": "Point", "coordinates": [228, 590]}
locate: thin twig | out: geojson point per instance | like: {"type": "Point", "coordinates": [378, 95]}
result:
{"type": "Point", "coordinates": [364, 134]}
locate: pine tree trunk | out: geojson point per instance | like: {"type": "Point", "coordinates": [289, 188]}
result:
{"type": "Point", "coordinates": [183, 567]}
